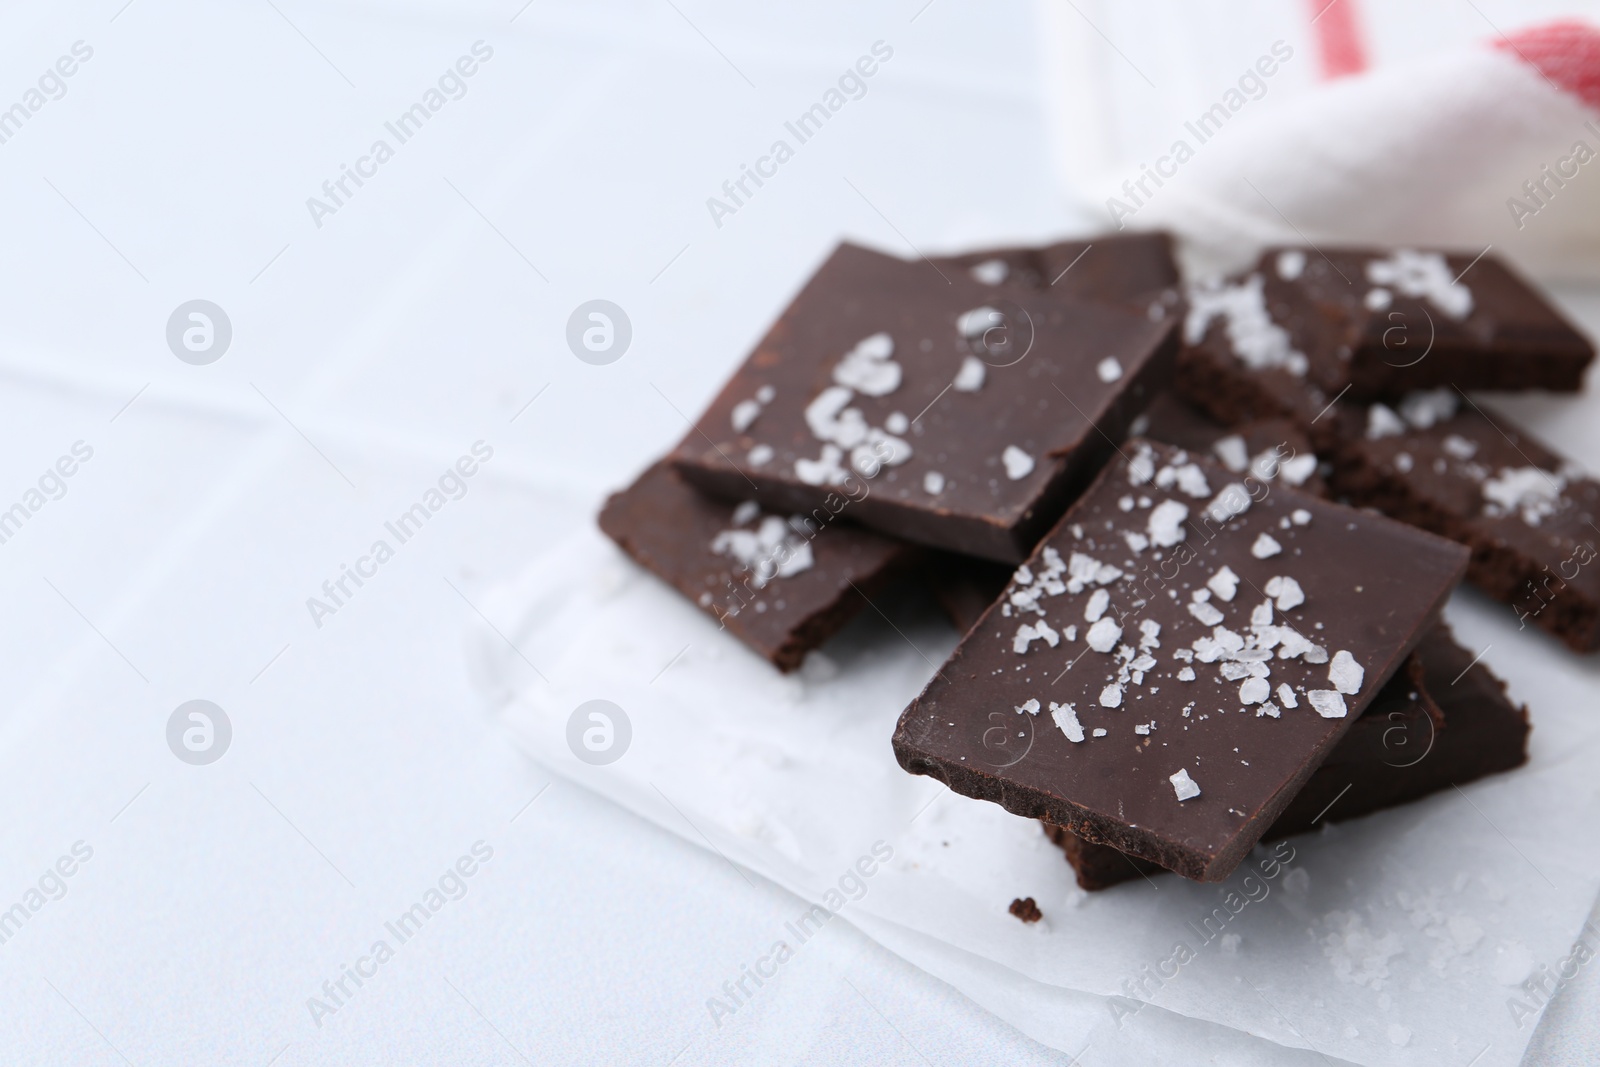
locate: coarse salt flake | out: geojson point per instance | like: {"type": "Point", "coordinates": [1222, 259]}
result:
{"type": "Point", "coordinates": [1066, 717]}
{"type": "Point", "coordinates": [1266, 547]}
{"type": "Point", "coordinates": [1104, 634]}
{"type": "Point", "coordinates": [1328, 703]}
{"type": "Point", "coordinates": [1345, 673]}
{"type": "Point", "coordinates": [1017, 462]}
{"type": "Point", "coordinates": [1224, 583]}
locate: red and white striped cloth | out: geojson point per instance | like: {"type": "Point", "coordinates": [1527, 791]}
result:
{"type": "Point", "coordinates": [1492, 145]}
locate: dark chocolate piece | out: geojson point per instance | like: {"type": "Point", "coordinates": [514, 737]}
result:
{"type": "Point", "coordinates": [781, 584]}
{"type": "Point", "coordinates": [1176, 659]}
{"type": "Point", "coordinates": [1109, 269]}
{"type": "Point", "coordinates": [964, 586]}
{"type": "Point", "coordinates": [1442, 720]}
{"type": "Point", "coordinates": [1532, 519]}
{"type": "Point", "coordinates": [950, 416]}
{"type": "Point", "coordinates": [1305, 327]}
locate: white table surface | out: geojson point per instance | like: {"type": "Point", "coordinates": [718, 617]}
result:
{"type": "Point", "coordinates": [367, 355]}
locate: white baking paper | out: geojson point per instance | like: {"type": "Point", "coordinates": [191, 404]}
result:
{"type": "Point", "coordinates": [1396, 939]}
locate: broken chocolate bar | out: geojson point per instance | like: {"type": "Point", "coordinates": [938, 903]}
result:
{"type": "Point", "coordinates": [1305, 327]}
{"type": "Point", "coordinates": [1441, 461]}
{"type": "Point", "coordinates": [1442, 720]}
{"type": "Point", "coordinates": [782, 584]}
{"type": "Point", "coordinates": [1176, 658]}
{"type": "Point", "coordinates": [973, 417]}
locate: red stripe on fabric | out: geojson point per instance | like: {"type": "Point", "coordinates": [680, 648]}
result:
{"type": "Point", "coordinates": [1566, 52]}
{"type": "Point", "coordinates": [1341, 46]}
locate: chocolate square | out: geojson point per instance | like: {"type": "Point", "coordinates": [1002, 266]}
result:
{"type": "Point", "coordinates": [1305, 327]}
{"type": "Point", "coordinates": [782, 584]}
{"type": "Point", "coordinates": [1223, 633]}
{"type": "Point", "coordinates": [955, 417]}
{"type": "Point", "coordinates": [1444, 463]}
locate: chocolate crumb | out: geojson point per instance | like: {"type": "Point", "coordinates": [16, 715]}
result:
{"type": "Point", "coordinates": [1025, 909]}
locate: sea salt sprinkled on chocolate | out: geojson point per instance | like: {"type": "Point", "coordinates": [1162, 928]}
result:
{"type": "Point", "coordinates": [1149, 634]}
{"type": "Point", "coordinates": [897, 422]}
{"type": "Point", "coordinates": [1378, 299]}
{"type": "Point", "coordinates": [1018, 463]}
{"type": "Point", "coordinates": [1208, 615]}
{"type": "Point", "coordinates": [1259, 342]}
{"type": "Point", "coordinates": [1224, 583]}
{"type": "Point", "coordinates": [1286, 592]}
{"type": "Point", "coordinates": [1100, 731]}
{"type": "Point", "coordinates": [1108, 370]}
{"type": "Point", "coordinates": [1383, 422]}
{"type": "Point", "coordinates": [760, 456]}
{"type": "Point", "coordinates": [1234, 500]}
{"type": "Point", "coordinates": [867, 368]}
{"type": "Point", "coordinates": [1328, 703]}
{"type": "Point", "coordinates": [975, 323]}
{"type": "Point", "coordinates": [1165, 526]}
{"type": "Point", "coordinates": [990, 271]}
{"type": "Point", "coordinates": [1111, 696]}
{"type": "Point", "coordinates": [1233, 452]}
{"type": "Point", "coordinates": [1037, 631]}
{"type": "Point", "coordinates": [1099, 600]}
{"type": "Point", "coordinates": [1186, 674]}
{"type": "Point", "coordinates": [772, 550]}
{"type": "Point", "coordinates": [1286, 696]}
{"type": "Point", "coordinates": [1459, 447]}
{"type": "Point", "coordinates": [1427, 407]}
{"type": "Point", "coordinates": [1270, 710]}
{"type": "Point", "coordinates": [1296, 469]}
{"type": "Point", "coordinates": [1066, 717]}
{"type": "Point", "coordinates": [744, 413]}
{"type": "Point", "coordinates": [1142, 467]}
{"type": "Point", "coordinates": [1423, 274]}
{"type": "Point", "coordinates": [1300, 516]}
{"type": "Point", "coordinates": [1345, 673]}
{"type": "Point", "coordinates": [1104, 634]}
{"type": "Point", "coordinates": [1142, 729]}
{"type": "Point", "coordinates": [1030, 706]}
{"type": "Point", "coordinates": [1529, 492]}
{"type": "Point", "coordinates": [933, 483]}
{"type": "Point", "coordinates": [1188, 477]}
{"type": "Point", "coordinates": [1290, 264]}
{"type": "Point", "coordinates": [1254, 691]}
{"type": "Point", "coordinates": [1266, 547]}
{"type": "Point", "coordinates": [829, 418]}
{"type": "Point", "coordinates": [969, 379]}
{"type": "Point", "coordinates": [824, 470]}
{"type": "Point", "coordinates": [745, 512]}
{"type": "Point", "coordinates": [1183, 785]}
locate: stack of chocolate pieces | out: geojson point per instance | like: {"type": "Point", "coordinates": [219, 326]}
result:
{"type": "Point", "coordinates": [1204, 645]}
{"type": "Point", "coordinates": [1374, 355]}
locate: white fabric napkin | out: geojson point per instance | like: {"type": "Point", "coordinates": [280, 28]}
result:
{"type": "Point", "coordinates": [1493, 144]}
